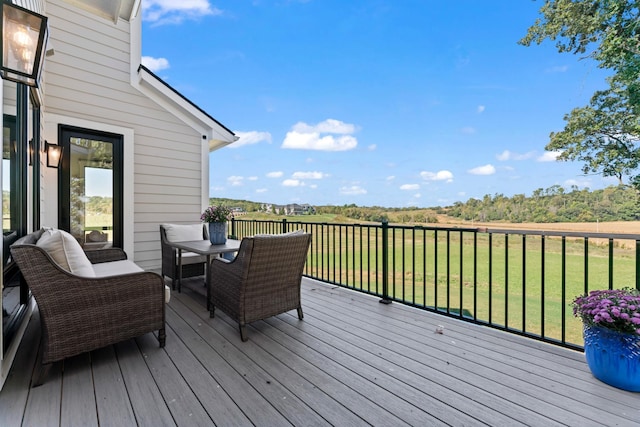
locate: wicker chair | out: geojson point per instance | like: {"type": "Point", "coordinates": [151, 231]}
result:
{"type": "Point", "coordinates": [262, 281]}
{"type": "Point", "coordinates": [192, 266]}
{"type": "Point", "coordinates": [80, 314]}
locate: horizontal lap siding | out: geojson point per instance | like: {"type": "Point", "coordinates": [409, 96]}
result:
{"type": "Point", "coordinates": [88, 78]}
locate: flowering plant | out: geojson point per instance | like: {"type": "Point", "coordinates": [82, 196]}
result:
{"type": "Point", "coordinates": [616, 309]}
{"type": "Point", "coordinates": [216, 214]}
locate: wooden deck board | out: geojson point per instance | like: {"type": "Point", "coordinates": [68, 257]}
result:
{"type": "Point", "coordinates": [110, 391]}
{"type": "Point", "coordinates": [519, 383]}
{"type": "Point", "coordinates": [351, 361]}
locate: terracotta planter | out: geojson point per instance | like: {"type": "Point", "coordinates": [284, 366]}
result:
{"type": "Point", "coordinates": [218, 233]}
{"type": "Point", "coordinates": [613, 357]}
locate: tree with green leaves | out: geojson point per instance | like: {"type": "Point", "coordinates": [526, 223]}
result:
{"type": "Point", "coordinates": [604, 135]}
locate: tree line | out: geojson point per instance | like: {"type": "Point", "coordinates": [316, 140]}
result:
{"type": "Point", "coordinates": [553, 204]}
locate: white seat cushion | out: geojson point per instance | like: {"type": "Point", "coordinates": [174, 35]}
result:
{"type": "Point", "coordinates": [183, 233]}
{"type": "Point", "coordinates": [66, 252]}
{"type": "Point", "coordinates": [114, 268]}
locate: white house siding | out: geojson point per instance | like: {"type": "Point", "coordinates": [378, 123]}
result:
{"type": "Point", "coordinates": [88, 78]}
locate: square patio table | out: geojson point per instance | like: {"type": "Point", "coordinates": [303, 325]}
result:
{"type": "Point", "coordinates": [203, 247]}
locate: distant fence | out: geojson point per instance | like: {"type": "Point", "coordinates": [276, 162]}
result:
{"type": "Point", "coordinates": [520, 281]}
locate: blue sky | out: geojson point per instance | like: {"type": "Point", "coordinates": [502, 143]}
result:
{"type": "Point", "coordinates": [373, 102]}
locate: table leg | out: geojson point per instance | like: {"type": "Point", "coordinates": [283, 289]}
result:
{"type": "Point", "coordinates": [179, 270]}
{"type": "Point", "coordinates": [207, 279]}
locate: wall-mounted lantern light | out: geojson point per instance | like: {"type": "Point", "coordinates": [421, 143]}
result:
{"type": "Point", "coordinates": [54, 154]}
{"type": "Point", "coordinates": [24, 35]}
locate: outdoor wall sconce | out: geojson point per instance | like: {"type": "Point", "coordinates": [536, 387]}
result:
{"type": "Point", "coordinates": [54, 154]}
{"type": "Point", "coordinates": [24, 35]}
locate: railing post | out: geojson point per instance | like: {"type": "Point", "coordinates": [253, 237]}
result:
{"type": "Point", "coordinates": [284, 225]}
{"type": "Point", "coordinates": [385, 263]}
{"type": "Point", "coordinates": [233, 228]}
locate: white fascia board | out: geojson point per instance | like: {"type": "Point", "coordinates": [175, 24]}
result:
{"type": "Point", "coordinates": [212, 131]}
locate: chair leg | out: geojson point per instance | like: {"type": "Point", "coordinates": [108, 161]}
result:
{"type": "Point", "coordinates": [243, 333]}
{"type": "Point", "coordinates": [162, 337]}
{"type": "Point", "coordinates": [300, 315]}
{"type": "Point", "coordinates": [212, 311]}
{"type": "Point", "coordinates": [42, 374]}
{"type": "Point", "coordinates": [173, 283]}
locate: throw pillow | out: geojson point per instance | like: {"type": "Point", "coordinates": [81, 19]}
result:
{"type": "Point", "coordinates": [183, 233]}
{"type": "Point", "coordinates": [66, 252]}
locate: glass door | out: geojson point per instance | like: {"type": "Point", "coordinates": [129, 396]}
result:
{"type": "Point", "coordinates": [91, 187]}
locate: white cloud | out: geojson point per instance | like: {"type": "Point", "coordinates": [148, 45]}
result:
{"type": "Point", "coordinates": [176, 11]}
{"type": "Point", "coordinates": [313, 186]}
{"type": "Point", "coordinates": [252, 178]}
{"type": "Point", "coordinates": [292, 183]}
{"type": "Point", "coordinates": [410, 187]}
{"type": "Point", "coordinates": [313, 141]}
{"type": "Point", "coordinates": [481, 109]}
{"type": "Point", "coordinates": [252, 137]}
{"type": "Point", "coordinates": [417, 195]}
{"type": "Point", "coordinates": [261, 190]}
{"type": "Point", "coordinates": [549, 156]}
{"type": "Point", "coordinates": [443, 175]}
{"type": "Point", "coordinates": [235, 181]}
{"type": "Point", "coordinates": [391, 178]}
{"type": "Point", "coordinates": [155, 64]}
{"type": "Point", "coordinates": [275, 174]}
{"type": "Point", "coordinates": [352, 190]}
{"type": "Point", "coordinates": [372, 147]}
{"type": "Point", "coordinates": [468, 130]}
{"type": "Point", "coordinates": [309, 175]}
{"type": "Point", "coordinates": [483, 170]}
{"type": "Point", "coordinates": [510, 155]}
{"type": "Point", "coordinates": [309, 137]}
{"type": "Point", "coordinates": [328, 126]}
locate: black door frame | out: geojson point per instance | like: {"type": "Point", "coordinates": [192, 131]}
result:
{"type": "Point", "coordinates": [65, 132]}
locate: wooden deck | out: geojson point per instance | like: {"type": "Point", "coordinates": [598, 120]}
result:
{"type": "Point", "coordinates": [351, 361]}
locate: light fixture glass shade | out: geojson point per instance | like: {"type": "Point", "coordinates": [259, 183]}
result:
{"type": "Point", "coordinates": [54, 154]}
{"type": "Point", "coordinates": [24, 36]}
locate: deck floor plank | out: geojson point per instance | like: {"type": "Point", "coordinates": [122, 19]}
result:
{"type": "Point", "coordinates": [470, 362]}
{"type": "Point", "coordinates": [564, 369]}
{"type": "Point", "coordinates": [110, 391]}
{"type": "Point", "coordinates": [351, 361]}
{"type": "Point", "coordinates": [435, 391]}
{"type": "Point", "coordinates": [78, 405]}
{"type": "Point", "coordinates": [183, 403]}
{"type": "Point", "coordinates": [260, 372]}
{"type": "Point", "coordinates": [291, 352]}
{"type": "Point", "coordinates": [214, 399]}
{"type": "Point", "coordinates": [17, 385]}
{"type": "Point", "coordinates": [256, 407]}
{"type": "Point", "coordinates": [149, 407]}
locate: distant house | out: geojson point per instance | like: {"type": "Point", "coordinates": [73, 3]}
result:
{"type": "Point", "coordinates": [296, 209]}
{"type": "Point", "coordinates": [123, 130]}
{"type": "Point", "coordinates": [291, 209]}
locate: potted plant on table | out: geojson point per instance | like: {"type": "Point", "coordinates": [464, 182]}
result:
{"type": "Point", "coordinates": [611, 321]}
{"type": "Point", "coordinates": [217, 217]}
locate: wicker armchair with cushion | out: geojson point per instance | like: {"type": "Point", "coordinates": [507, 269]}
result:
{"type": "Point", "coordinates": [87, 300]}
{"type": "Point", "coordinates": [192, 264]}
{"type": "Point", "coordinates": [262, 281]}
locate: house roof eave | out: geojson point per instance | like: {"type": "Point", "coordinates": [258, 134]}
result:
{"type": "Point", "coordinates": [213, 131]}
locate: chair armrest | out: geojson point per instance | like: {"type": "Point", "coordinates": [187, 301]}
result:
{"type": "Point", "coordinates": [106, 255]}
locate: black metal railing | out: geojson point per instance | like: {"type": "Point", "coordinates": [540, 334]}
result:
{"type": "Point", "coordinates": [520, 281]}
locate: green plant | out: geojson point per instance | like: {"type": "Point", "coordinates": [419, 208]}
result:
{"type": "Point", "coordinates": [615, 309]}
{"type": "Point", "coordinates": [220, 213]}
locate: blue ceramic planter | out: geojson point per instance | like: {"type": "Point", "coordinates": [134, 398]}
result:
{"type": "Point", "coordinates": [218, 233]}
{"type": "Point", "coordinates": [613, 357]}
